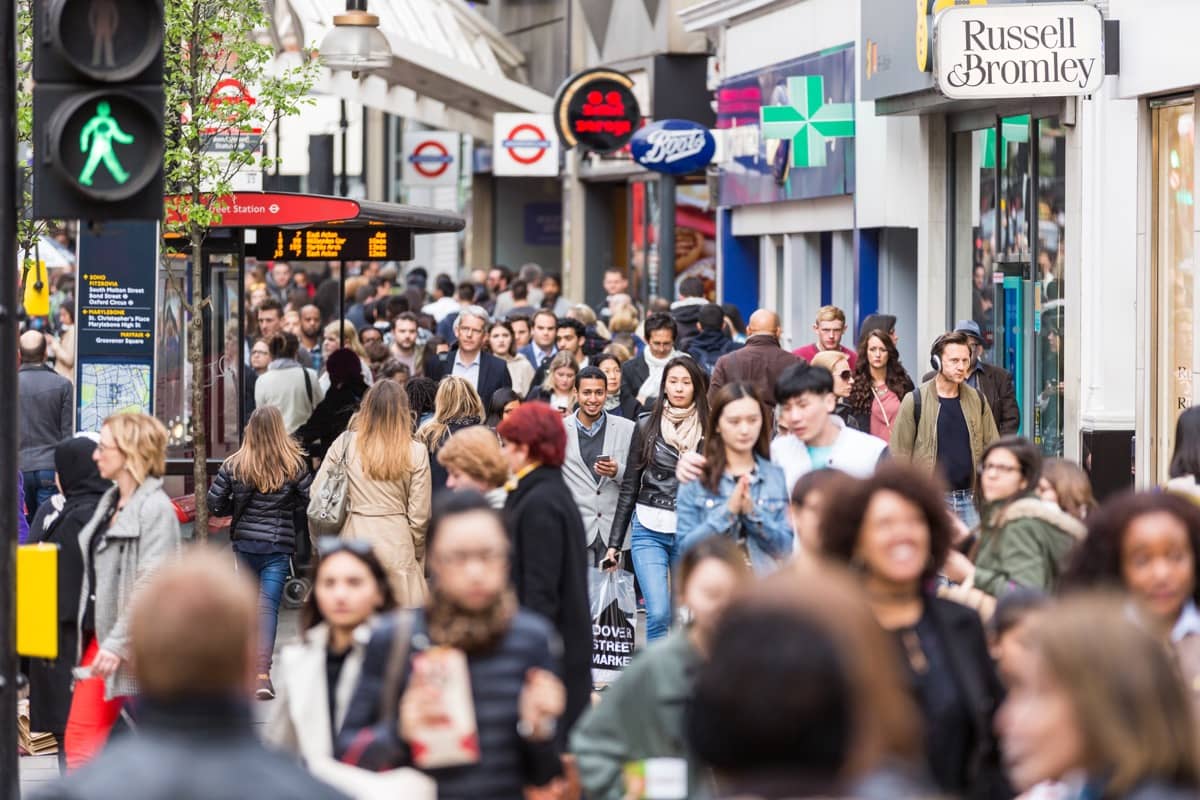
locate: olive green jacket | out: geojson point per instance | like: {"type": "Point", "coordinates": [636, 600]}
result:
{"type": "Point", "coordinates": [918, 443]}
{"type": "Point", "coordinates": [1024, 543]}
{"type": "Point", "coordinates": [640, 716]}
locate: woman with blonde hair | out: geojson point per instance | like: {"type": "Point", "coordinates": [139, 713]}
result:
{"type": "Point", "coordinates": [587, 316]}
{"type": "Point", "coordinates": [558, 389]}
{"type": "Point", "coordinates": [456, 406]}
{"type": "Point", "coordinates": [132, 532]}
{"type": "Point", "coordinates": [473, 460]}
{"type": "Point", "coordinates": [1110, 709]}
{"type": "Point", "coordinates": [339, 336]}
{"type": "Point", "coordinates": [263, 486]}
{"type": "Point", "coordinates": [387, 476]}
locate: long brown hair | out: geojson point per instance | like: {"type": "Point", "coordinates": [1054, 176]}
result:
{"type": "Point", "coordinates": [268, 457]}
{"type": "Point", "coordinates": [383, 426]}
{"type": "Point", "coordinates": [1133, 709]}
{"type": "Point", "coordinates": [862, 392]}
{"type": "Point", "coordinates": [714, 446]}
{"type": "Point", "coordinates": [699, 400]}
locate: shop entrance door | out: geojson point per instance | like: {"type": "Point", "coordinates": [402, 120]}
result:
{"type": "Point", "coordinates": [1007, 258]}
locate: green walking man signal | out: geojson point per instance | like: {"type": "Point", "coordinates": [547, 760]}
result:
{"type": "Point", "coordinates": [102, 130]}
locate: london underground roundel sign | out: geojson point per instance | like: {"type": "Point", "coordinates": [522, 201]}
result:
{"type": "Point", "coordinates": [430, 158]}
{"type": "Point", "coordinates": [673, 146]}
{"type": "Point", "coordinates": [597, 110]}
{"type": "Point", "coordinates": [524, 144]}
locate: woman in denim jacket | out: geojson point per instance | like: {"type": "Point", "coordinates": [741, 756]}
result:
{"type": "Point", "coordinates": [740, 493]}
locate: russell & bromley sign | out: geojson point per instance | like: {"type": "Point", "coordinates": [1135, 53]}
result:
{"type": "Point", "coordinates": [1037, 50]}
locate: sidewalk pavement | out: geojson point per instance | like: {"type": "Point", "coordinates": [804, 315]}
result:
{"type": "Point", "coordinates": [39, 771]}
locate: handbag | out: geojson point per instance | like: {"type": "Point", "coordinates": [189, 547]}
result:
{"type": "Point", "coordinates": [329, 499]}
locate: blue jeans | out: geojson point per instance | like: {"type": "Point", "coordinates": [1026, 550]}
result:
{"type": "Point", "coordinates": [39, 487]}
{"type": "Point", "coordinates": [654, 556]}
{"type": "Point", "coordinates": [961, 504]}
{"type": "Point", "coordinates": [271, 569]}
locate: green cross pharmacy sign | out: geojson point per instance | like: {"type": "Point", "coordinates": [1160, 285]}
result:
{"type": "Point", "coordinates": [808, 122]}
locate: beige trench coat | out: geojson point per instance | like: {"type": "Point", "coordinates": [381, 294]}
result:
{"type": "Point", "coordinates": [392, 516]}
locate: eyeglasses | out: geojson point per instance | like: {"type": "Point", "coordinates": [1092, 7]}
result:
{"type": "Point", "coordinates": [328, 545]}
{"type": "Point", "coordinates": [460, 558]}
{"type": "Point", "coordinates": [846, 375]}
{"type": "Point", "coordinates": [1003, 469]}
{"type": "Point", "coordinates": [472, 331]}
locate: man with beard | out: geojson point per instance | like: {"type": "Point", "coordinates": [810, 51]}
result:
{"type": "Point", "coordinates": [510, 660]}
{"type": "Point", "coordinates": [310, 334]}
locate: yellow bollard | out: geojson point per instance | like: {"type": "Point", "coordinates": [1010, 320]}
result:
{"type": "Point", "coordinates": [37, 600]}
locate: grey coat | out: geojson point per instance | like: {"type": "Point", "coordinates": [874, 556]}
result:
{"type": "Point", "coordinates": [141, 537]}
{"type": "Point", "coordinates": [597, 501]}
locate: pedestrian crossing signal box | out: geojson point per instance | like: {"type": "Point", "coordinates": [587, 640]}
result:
{"type": "Point", "coordinates": [37, 600]}
{"type": "Point", "coordinates": [97, 109]}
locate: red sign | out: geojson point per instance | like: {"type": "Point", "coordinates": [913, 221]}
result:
{"type": "Point", "coordinates": [431, 158]}
{"type": "Point", "coordinates": [526, 143]}
{"type": "Point", "coordinates": [597, 110]}
{"type": "Point", "coordinates": [259, 209]}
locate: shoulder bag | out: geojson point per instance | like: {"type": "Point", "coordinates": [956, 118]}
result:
{"type": "Point", "coordinates": [329, 498]}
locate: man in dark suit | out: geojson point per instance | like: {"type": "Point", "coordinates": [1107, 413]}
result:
{"type": "Point", "coordinates": [543, 331]}
{"type": "Point", "coordinates": [995, 383]}
{"type": "Point", "coordinates": [467, 360]}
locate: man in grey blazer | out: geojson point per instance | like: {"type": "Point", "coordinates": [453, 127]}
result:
{"type": "Point", "coordinates": [597, 449]}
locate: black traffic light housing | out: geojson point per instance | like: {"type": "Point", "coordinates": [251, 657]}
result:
{"type": "Point", "coordinates": [97, 109]}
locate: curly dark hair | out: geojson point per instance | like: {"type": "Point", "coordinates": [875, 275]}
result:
{"type": "Point", "coordinates": [862, 391]}
{"type": "Point", "coordinates": [1097, 559]}
{"type": "Point", "coordinates": [842, 518]}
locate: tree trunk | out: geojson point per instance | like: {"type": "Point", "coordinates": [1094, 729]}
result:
{"type": "Point", "coordinates": [195, 357]}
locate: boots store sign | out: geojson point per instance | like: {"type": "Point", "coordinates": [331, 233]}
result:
{"type": "Point", "coordinates": [1038, 50]}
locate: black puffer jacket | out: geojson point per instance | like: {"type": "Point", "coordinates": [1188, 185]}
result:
{"type": "Point", "coordinates": [507, 762]}
{"type": "Point", "coordinates": [260, 517]}
{"type": "Point", "coordinates": [652, 484]}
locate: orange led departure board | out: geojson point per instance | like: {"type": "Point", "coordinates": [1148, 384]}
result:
{"type": "Point", "coordinates": [373, 243]}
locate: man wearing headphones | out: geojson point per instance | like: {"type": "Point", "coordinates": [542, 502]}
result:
{"type": "Point", "coordinates": [946, 424]}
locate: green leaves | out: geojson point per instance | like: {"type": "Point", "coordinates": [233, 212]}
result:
{"type": "Point", "coordinates": [225, 91]}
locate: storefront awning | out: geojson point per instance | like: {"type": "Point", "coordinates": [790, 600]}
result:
{"type": "Point", "coordinates": [450, 68]}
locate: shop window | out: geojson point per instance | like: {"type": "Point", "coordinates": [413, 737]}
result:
{"type": "Point", "coordinates": [1049, 298]}
{"type": "Point", "coordinates": [1174, 179]}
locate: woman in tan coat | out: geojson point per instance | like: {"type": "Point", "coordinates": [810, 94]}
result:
{"type": "Point", "coordinates": [388, 487]}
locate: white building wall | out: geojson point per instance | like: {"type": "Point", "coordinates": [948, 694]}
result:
{"type": "Point", "coordinates": [891, 166]}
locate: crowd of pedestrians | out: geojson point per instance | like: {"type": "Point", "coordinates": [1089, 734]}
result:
{"type": "Point", "coordinates": [854, 584]}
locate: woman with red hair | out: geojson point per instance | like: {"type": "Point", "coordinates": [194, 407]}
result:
{"type": "Point", "coordinates": [549, 560]}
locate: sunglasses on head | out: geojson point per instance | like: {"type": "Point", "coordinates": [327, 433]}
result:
{"type": "Point", "coordinates": [328, 545]}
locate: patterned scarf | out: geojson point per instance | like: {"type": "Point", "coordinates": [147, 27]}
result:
{"type": "Point", "coordinates": [680, 427]}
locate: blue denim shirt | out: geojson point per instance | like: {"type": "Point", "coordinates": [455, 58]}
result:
{"type": "Point", "coordinates": [702, 513]}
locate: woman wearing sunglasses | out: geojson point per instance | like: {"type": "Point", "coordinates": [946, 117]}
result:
{"type": "Point", "coordinates": [319, 673]}
{"type": "Point", "coordinates": [843, 382]}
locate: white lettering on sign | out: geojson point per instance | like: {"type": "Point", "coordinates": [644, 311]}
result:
{"type": "Point", "coordinates": [668, 146]}
{"type": "Point", "coordinates": [1038, 50]}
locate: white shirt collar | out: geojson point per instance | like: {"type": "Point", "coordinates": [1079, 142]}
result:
{"type": "Point", "coordinates": [1188, 623]}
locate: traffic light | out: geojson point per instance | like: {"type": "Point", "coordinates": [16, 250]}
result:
{"type": "Point", "coordinates": [98, 109]}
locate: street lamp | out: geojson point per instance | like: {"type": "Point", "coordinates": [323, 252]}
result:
{"type": "Point", "coordinates": [355, 43]}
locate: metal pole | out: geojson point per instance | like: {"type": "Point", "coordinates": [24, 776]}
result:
{"type": "Point", "coordinates": [344, 124]}
{"type": "Point", "coordinates": [10, 780]}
